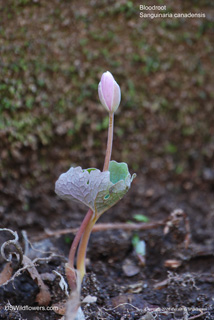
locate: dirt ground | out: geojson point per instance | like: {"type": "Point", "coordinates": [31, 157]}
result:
{"type": "Point", "coordinates": [124, 288]}
{"type": "Point", "coordinates": [52, 56]}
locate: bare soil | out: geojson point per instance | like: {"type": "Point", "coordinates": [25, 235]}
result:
{"type": "Point", "coordinates": [115, 275]}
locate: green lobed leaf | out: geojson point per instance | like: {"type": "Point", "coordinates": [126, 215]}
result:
{"type": "Point", "coordinates": [118, 171]}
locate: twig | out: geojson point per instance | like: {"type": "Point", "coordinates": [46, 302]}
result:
{"type": "Point", "coordinates": [16, 274]}
{"type": "Point", "coordinates": [102, 227]}
{"type": "Point", "coordinates": [121, 305]}
{"type": "Point", "coordinates": [26, 242]}
{"type": "Point", "coordinates": [174, 219]}
{"type": "Point", "coordinates": [198, 315]}
{"type": "Point", "coordinates": [13, 242]}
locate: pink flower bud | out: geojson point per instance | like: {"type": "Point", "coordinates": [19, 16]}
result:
{"type": "Point", "coordinates": [109, 92]}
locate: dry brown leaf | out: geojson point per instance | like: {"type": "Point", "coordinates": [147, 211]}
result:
{"type": "Point", "coordinates": [59, 307]}
{"type": "Point", "coordinates": [43, 297]}
{"type": "Point", "coordinates": [162, 284]}
{"type": "Point", "coordinates": [6, 273]}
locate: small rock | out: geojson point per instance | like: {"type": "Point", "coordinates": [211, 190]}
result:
{"type": "Point", "coordinates": [147, 316]}
{"type": "Point", "coordinates": [172, 263]}
{"type": "Point", "coordinates": [208, 174]}
{"type": "Point", "coordinates": [130, 269]}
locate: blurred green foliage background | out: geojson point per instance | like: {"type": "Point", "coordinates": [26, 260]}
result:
{"type": "Point", "coordinates": [52, 55]}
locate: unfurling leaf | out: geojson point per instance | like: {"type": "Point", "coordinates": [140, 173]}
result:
{"type": "Point", "coordinates": [97, 190]}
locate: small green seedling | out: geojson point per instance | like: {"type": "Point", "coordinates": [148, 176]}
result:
{"type": "Point", "coordinates": [141, 218]}
{"type": "Point", "coordinates": [97, 190]}
{"type": "Point", "coordinates": [140, 249]}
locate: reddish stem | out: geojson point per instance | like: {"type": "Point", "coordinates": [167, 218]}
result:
{"type": "Point", "coordinates": [70, 271]}
{"type": "Point", "coordinates": [87, 231]}
{"type": "Point", "coordinates": [83, 247]}
{"type": "Point", "coordinates": [87, 224]}
{"type": "Point", "coordinates": [109, 142]}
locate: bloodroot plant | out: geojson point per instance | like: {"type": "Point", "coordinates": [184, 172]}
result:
{"type": "Point", "coordinates": [97, 190]}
